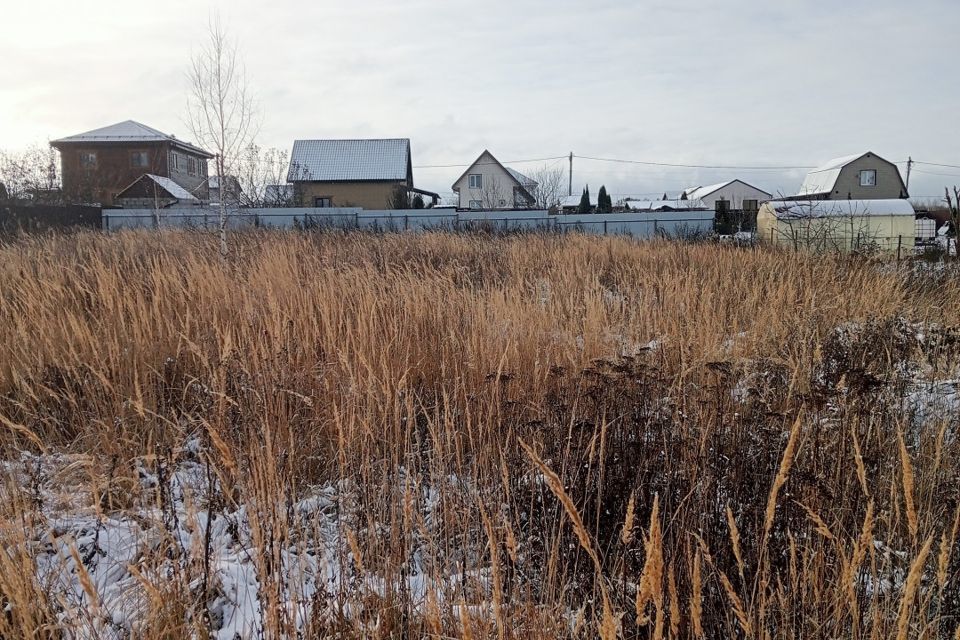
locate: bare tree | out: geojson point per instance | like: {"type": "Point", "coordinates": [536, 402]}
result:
{"type": "Point", "coordinates": [953, 204]}
{"type": "Point", "coordinates": [30, 174]}
{"type": "Point", "coordinates": [550, 186]}
{"type": "Point", "coordinates": [828, 227]}
{"type": "Point", "coordinates": [221, 111]}
{"type": "Point", "coordinates": [262, 175]}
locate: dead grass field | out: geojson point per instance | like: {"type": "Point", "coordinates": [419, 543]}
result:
{"type": "Point", "coordinates": [355, 435]}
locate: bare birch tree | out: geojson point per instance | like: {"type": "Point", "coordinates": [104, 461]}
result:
{"type": "Point", "coordinates": [221, 110]}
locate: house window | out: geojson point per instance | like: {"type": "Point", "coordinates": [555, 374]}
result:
{"type": "Point", "coordinates": [139, 159]}
{"type": "Point", "coordinates": [751, 205]}
{"type": "Point", "coordinates": [324, 202]}
{"type": "Point", "coordinates": [174, 161]}
{"type": "Point", "coordinates": [192, 166]}
{"type": "Point", "coordinates": [88, 159]}
{"type": "Point", "coordinates": [868, 178]}
{"type": "Point", "coordinates": [475, 204]}
{"type": "Point", "coordinates": [476, 181]}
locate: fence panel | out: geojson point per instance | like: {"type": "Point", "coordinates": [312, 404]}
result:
{"type": "Point", "coordinates": [674, 224]}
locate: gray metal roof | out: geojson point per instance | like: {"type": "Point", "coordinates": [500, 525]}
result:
{"type": "Point", "coordinates": [172, 188]}
{"type": "Point", "coordinates": [349, 160]}
{"type": "Point", "coordinates": [168, 185]}
{"type": "Point", "coordinates": [525, 182]}
{"type": "Point", "coordinates": [128, 131]}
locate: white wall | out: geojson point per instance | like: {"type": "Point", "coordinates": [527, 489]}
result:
{"type": "Point", "coordinates": [735, 193]}
{"type": "Point", "coordinates": [497, 191]}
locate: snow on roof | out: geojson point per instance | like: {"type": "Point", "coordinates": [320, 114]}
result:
{"type": "Point", "coordinates": [172, 188]}
{"type": "Point", "coordinates": [574, 201]}
{"type": "Point", "coordinates": [824, 178]}
{"type": "Point", "coordinates": [696, 193]}
{"type": "Point", "coordinates": [333, 160]}
{"type": "Point", "coordinates": [128, 131]}
{"type": "Point", "coordinates": [840, 208]}
{"type": "Point", "coordinates": [839, 163]}
{"type": "Point", "coordinates": [527, 183]}
{"type": "Point", "coordinates": [656, 205]}
{"type": "Point", "coordinates": [699, 193]}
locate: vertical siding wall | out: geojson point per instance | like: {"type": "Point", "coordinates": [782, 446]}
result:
{"type": "Point", "coordinates": [640, 225]}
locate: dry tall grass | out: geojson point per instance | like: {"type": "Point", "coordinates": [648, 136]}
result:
{"type": "Point", "coordinates": [637, 440]}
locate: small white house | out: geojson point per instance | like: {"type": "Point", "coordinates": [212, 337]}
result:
{"type": "Point", "coordinates": [739, 195]}
{"type": "Point", "coordinates": [487, 184]}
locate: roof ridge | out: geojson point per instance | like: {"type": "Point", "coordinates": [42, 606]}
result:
{"type": "Point", "coordinates": [350, 140]}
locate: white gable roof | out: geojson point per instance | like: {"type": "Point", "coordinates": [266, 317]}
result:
{"type": "Point", "coordinates": [824, 178]}
{"type": "Point", "coordinates": [128, 131]}
{"type": "Point", "coordinates": [656, 205]}
{"type": "Point", "coordinates": [696, 193]}
{"type": "Point", "coordinates": [840, 208]}
{"type": "Point", "coordinates": [699, 193]}
{"type": "Point", "coordinates": [172, 188]}
{"type": "Point", "coordinates": [168, 185]}
{"type": "Point", "coordinates": [574, 201]}
{"type": "Point", "coordinates": [349, 160]}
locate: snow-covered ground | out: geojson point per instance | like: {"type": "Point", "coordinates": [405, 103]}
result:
{"type": "Point", "coordinates": [101, 569]}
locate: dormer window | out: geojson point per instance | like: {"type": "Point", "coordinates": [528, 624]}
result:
{"type": "Point", "coordinates": [868, 178]}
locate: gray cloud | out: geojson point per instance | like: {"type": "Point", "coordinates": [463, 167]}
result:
{"type": "Point", "coordinates": [682, 81]}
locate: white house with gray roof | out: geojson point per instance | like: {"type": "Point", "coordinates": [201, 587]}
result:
{"type": "Point", "coordinates": [738, 195]}
{"type": "Point", "coordinates": [488, 184]}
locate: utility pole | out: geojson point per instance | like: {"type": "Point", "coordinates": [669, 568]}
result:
{"type": "Point", "coordinates": [909, 167]}
{"type": "Point", "coordinates": [570, 185]}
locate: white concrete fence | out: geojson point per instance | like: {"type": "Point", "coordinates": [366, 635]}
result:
{"type": "Point", "coordinates": [640, 225]}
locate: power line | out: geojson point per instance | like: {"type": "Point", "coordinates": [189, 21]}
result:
{"type": "Point", "coordinates": [470, 164]}
{"type": "Point", "coordinates": [937, 164]}
{"type": "Point", "coordinates": [675, 165]}
{"type": "Point", "coordinates": [935, 173]}
{"type": "Point", "coordinates": [618, 160]}
{"type": "Point", "coordinates": [693, 166]}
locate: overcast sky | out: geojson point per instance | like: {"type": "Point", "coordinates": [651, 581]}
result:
{"type": "Point", "coordinates": [738, 82]}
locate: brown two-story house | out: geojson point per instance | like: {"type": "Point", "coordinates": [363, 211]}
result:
{"type": "Point", "coordinates": [99, 164]}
